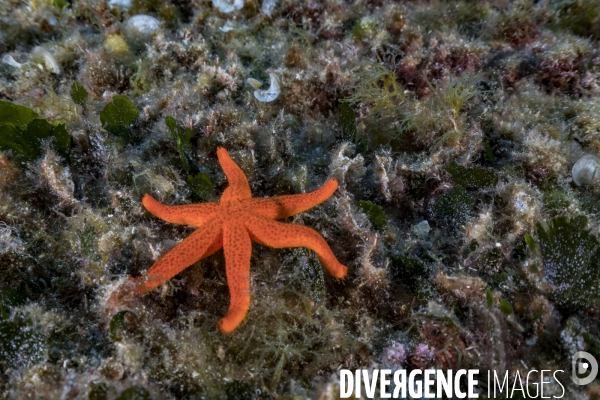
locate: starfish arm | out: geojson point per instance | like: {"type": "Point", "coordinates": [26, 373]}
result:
{"type": "Point", "coordinates": [277, 234]}
{"type": "Point", "coordinates": [238, 250]}
{"type": "Point", "coordinates": [202, 243]}
{"type": "Point", "coordinates": [285, 206]}
{"type": "Point", "coordinates": [238, 188]}
{"type": "Point", "coordinates": [191, 214]}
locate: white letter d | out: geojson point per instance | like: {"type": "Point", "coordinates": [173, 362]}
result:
{"type": "Point", "coordinates": [346, 391]}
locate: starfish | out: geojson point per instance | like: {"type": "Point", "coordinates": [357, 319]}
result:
{"type": "Point", "coordinates": [233, 224]}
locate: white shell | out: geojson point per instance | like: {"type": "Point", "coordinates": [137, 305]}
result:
{"type": "Point", "coordinates": [268, 6]}
{"type": "Point", "coordinates": [49, 61]}
{"type": "Point", "coordinates": [227, 27]}
{"type": "Point", "coordinates": [585, 171]}
{"type": "Point", "coordinates": [9, 60]}
{"type": "Point", "coordinates": [143, 24]}
{"type": "Point", "coordinates": [227, 6]}
{"type": "Point", "coordinates": [422, 228]}
{"type": "Point", "coordinates": [256, 84]}
{"type": "Point", "coordinates": [123, 4]}
{"type": "Point", "coordinates": [269, 94]}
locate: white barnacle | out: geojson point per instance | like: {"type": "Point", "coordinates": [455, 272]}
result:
{"type": "Point", "coordinates": [270, 94]}
{"type": "Point", "coordinates": [585, 171]}
{"type": "Point", "coordinates": [49, 61]}
{"type": "Point", "coordinates": [227, 6]}
{"type": "Point", "coordinates": [142, 25]}
{"type": "Point", "coordinates": [268, 6]}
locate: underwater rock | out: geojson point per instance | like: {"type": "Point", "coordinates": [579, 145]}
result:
{"type": "Point", "coordinates": [585, 170]}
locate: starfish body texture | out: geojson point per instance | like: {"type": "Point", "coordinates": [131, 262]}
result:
{"type": "Point", "coordinates": [233, 224]}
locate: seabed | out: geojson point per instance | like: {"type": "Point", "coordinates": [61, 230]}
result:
{"type": "Point", "coordinates": [465, 137]}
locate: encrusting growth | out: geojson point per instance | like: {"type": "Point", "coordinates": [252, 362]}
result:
{"type": "Point", "coordinates": [233, 223]}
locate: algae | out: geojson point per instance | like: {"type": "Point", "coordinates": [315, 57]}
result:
{"type": "Point", "coordinates": [468, 115]}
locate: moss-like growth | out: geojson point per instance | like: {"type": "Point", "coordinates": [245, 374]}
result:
{"type": "Point", "coordinates": [505, 307]}
{"type": "Point", "coordinates": [200, 185]}
{"type": "Point", "coordinates": [21, 341]}
{"type": "Point", "coordinates": [134, 393]}
{"type": "Point", "coordinates": [374, 212]}
{"type": "Point", "coordinates": [376, 85]}
{"type": "Point", "coordinates": [78, 94]}
{"type": "Point", "coordinates": [455, 206]}
{"type": "Point", "coordinates": [570, 253]}
{"type": "Point", "coordinates": [475, 177]}
{"type": "Point", "coordinates": [580, 17]}
{"type": "Point", "coordinates": [119, 115]}
{"type": "Point", "coordinates": [408, 271]}
{"type": "Point", "coordinates": [118, 324]}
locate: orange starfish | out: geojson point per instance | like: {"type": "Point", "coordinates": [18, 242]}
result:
{"type": "Point", "coordinates": [233, 223]}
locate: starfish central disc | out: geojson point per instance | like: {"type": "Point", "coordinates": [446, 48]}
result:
{"type": "Point", "coordinates": [233, 224]}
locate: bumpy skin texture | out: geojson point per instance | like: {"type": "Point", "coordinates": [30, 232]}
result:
{"type": "Point", "coordinates": [233, 223]}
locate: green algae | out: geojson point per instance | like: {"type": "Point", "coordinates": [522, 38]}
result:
{"type": "Point", "coordinates": [374, 212]}
{"type": "Point", "coordinates": [505, 307]}
{"type": "Point", "coordinates": [475, 177]}
{"type": "Point", "coordinates": [570, 253]}
{"type": "Point", "coordinates": [79, 94]}
{"type": "Point", "coordinates": [21, 341]}
{"type": "Point", "coordinates": [23, 133]}
{"type": "Point", "coordinates": [119, 115]}
{"type": "Point", "coordinates": [184, 147]}
{"type": "Point", "coordinates": [348, 119]}
{"type": "Point", "coordinates": [408, 271]}
{"type": "Point", "coordinates": [118, 324]}
{"type": "Point", "coordinates": [455, 206]}
{"type": "Point", "coordinates": [419, 90]}
{"type": "Point", "coordinates": [16, 115]}
{"type": "Point", "coordinates": [134, 393]}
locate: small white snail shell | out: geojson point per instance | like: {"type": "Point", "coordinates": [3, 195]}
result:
{"type": "Point", "coordinates": [586, 170]}
{"type": "Point", "coordinates": [269, 94]}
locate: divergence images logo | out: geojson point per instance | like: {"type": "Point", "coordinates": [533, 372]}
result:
{"type": "Point", "coordinates": [583, 364]}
